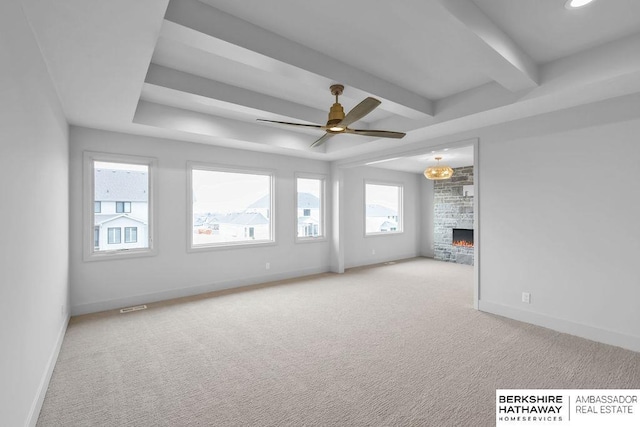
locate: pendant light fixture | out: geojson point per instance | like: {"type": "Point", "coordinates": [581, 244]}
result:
{"type": "Point", "coordinates": [438, 171]}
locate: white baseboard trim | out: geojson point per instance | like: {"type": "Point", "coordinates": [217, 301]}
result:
{"type": "Point", "coordinates": [379, 260]}
{"type": "Point", "coordinates": [593, 333]}
{"type": "Point", "coordinates": [94, 307]}
{"type": "Point", "coordinates": [36, 406]}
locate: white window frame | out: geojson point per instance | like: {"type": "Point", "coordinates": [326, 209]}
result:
{"type": "Point", "coordinates": [400, 208]}
{"type": "Point", "coordinates": [124, 207]}
{"type": "Point", "coordinates": [96, 229]}
{"type": "Point", "coordinates": [119, 231]}
{"type": "Point", "coordinates": [89, 252]}
{"type": "Point", "coordinates": [323, 208]}
{"type": "Point", "coordinates": [191, 166]}
{"type": "Point", "coordinates": [125, 235]}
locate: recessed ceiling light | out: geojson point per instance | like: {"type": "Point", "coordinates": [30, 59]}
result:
{"type": "Point", "coordinates": [574, 4]}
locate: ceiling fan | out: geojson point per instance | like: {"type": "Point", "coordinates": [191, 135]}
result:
{"type": "Point", "coordinates": [339, 122]}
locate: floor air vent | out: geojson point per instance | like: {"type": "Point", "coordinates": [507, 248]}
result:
{"type": "Point", "coordinates": [130, 309]}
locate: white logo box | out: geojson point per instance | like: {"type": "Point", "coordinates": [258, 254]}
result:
{"type": "Point", "coordinates": [564, 407]}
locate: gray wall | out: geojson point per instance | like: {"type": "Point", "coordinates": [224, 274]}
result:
{"type": "Point", "coordinates": [559, 219]}
{"type": "Point", "coordinates": [100, 285]}
{"type": "Point", "coordinates": [359, 249]}
{"type": "Point", "coordinates": [34, 218]}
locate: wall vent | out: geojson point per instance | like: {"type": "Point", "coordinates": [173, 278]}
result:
{"type": "Point", "coordinates": [130, 309]}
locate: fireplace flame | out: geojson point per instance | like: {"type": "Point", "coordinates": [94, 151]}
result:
{"type": "Point", "coordinates": [463, 243]}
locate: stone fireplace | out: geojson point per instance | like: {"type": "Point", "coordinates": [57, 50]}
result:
{"type": "Point", "coordinates": [453, 217]}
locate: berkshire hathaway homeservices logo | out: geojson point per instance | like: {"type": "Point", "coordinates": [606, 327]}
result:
{"type": "Point", "coordinates": [576, 408]}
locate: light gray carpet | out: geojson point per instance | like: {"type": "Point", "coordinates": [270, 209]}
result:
{"type": "Point", "coordinates": [392, 345]}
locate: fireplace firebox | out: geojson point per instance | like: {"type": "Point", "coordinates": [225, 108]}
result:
{"type": "Point", "coordinates": [462, 237]}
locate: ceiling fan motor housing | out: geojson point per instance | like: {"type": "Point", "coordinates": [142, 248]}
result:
{"type": "Point", "coordinates": [336, 114]}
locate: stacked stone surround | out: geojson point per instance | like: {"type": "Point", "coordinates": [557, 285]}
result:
{"type": "Point", "coordinates": [452, 209]}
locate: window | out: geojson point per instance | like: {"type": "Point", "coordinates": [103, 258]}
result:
{"type": "Point", "coordinates": [131, 234]}
{"type": "Point", "coordinates": [123, 207]}
{"type": "Point", "coordinates": [250, 232]}
{"type": "Point", "coordinates": [115, 185]}
{"type": "Point", "coordinates": [383, 208]}
{"type": "Point", "coordinates": [96, 237]}
{"type": "Point", "coordinates": [230, 207]}
{"type": "Point", "coordinates": [113, 234]}
{"type": "Point", "coordinates": [309, 207]}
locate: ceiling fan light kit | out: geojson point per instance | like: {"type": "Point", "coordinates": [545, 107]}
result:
{"type": "Point", "coordinates": [438, 172]}
{"type": "Point", "coordinates": [575, 4]}
{"type": "Point", "coordinates": [338, 122]}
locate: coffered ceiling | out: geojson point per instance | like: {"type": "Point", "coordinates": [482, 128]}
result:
{"type": "Point", "coordinates": [205, 70]}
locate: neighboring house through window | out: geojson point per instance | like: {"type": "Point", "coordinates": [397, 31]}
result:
{"type": "Point", "coordinates": [230, 207]}
{"type": "Point", "coordinates": [96, 237]}
{"type": "Point", "coordinates": [309, 207]}
{"type": "Point", "coordinates": [114, 235]}
{"type": "Point", "coordinates": [123, 207]}
{"type": "Point", "coordinates": [130, 234]}
{"type": "Point", "coordinates": [119, 190]}
{"type": "Point", "coordinates": [383, 208]}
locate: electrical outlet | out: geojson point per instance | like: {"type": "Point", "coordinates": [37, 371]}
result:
{"type": "Point", "coordinates": [373, 251]}
{"type": "Point", "coordinates": [526, 297]}
{"type": "Point", "coordinates": [267, 266]}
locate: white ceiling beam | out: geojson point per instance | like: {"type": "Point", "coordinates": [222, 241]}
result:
{"type": "Point", "coordinates": [222, 95]}
{"type": "Point", "coordinates": [605, 71]}
{"type": "Point", "coordinates": [245, 41]}
{"type": "Point", "coordinates": [473, 101]}
{"type": "Point", "coordinates": [506, 63]}
{"type": "Point", "coordinates": [576, 73]}
{"type": "Point", "coordinates": [220, 130]}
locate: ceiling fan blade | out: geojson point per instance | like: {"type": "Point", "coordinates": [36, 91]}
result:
{"type": "Point", "coordinates": [322, 139]}
{"type": "Point", "coordinates": [292, 124]}
{"type": "Point", "coordinates": [377, 133]}
{"type": "Point", "coordinates": [360, 110]}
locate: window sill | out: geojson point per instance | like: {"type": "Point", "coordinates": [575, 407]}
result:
{"type": "Point", "coordinates": [390, 233]}
{"type": "Point", "coordinates": [119, 254]}
{"type": "Point", "coordinates": [311, 239]}
{"type": "Point", "coordinates": [226, 246]}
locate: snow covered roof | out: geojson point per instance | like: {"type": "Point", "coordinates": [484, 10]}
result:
{"type": "Point", "coordinates": [100, 219]}
{"type": "Point", "coordinates": [242, 218]}
{"type": "Point", "coordinates": [305, 201]}
{"type": "Point", "coordinates": [379, 210]}
{"type": "Point", "coordinates": [113, 185]}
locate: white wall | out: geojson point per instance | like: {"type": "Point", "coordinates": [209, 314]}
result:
{"type": "Point", "coordinates": [559, 219]}
{"type": "Point", "coordinates": [100, 285]}
{"type": "Point", "coordinates": [426, 217]}
{"type": "Point", "coordinates": [358, 249]}
{"type": "Point", "coordinates": [34, 217]}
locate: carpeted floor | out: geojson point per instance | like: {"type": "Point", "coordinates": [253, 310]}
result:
{"type": "Point", "coordinates": [390, 345]}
